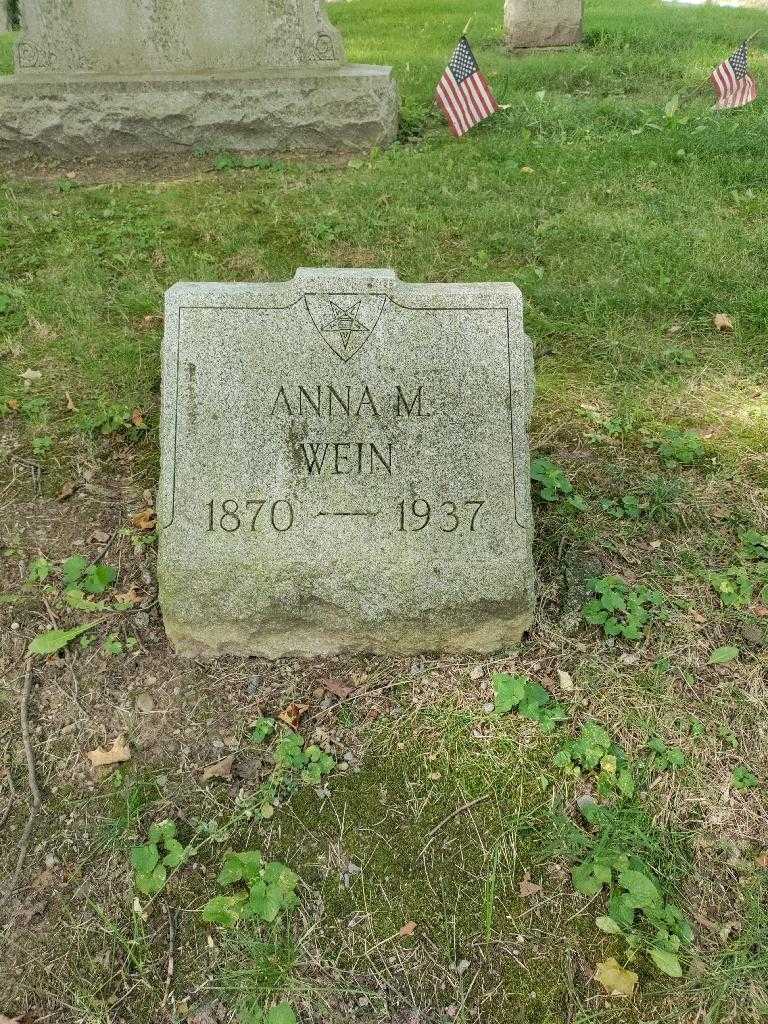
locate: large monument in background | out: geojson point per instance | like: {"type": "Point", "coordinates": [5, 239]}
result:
{"type": "Point", "coordinates": [531, 24]}
{"type": "Point", "coordinates": [133, 75]}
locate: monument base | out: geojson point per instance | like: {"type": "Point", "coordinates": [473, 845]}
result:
{"type": "Point", "coordinates": [351, 107]}
{"type": "Point", "coordinates": [485, 629]}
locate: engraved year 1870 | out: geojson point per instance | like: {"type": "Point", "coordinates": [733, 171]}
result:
{"type": "Point", "coordinates": [411, 516]}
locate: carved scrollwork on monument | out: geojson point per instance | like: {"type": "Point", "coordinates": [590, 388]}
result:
{"type": "Point", "coordinates": [324, 48]}
{"type": "Point", "coordinates": [29, 56]}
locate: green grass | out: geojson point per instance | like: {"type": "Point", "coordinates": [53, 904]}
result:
{"type": "Point", "coordinates": [629, 224]}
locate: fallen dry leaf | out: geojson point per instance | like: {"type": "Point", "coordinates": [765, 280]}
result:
{"type": "Point", "coordinates": [292, 714]}
{"type": "Point", "coordinates": [66, 491]}
{"type": "Point", "coordinates": [101, 758]}
{"type": "Point", "coordinates": [338, 689]}
{"type": "Point", "coordinates": [151, 321]}
{"type": "Point", "coordinates": [407, 929]}
{"type": "Point", "coordinates": [723, 323]}
{"type": "Point", "coordinates": [131, 596]}
{"type": "Point", "coordinates": [527, 170]}
{"type": "Point", "coordinates": [145, 702]}
{"type": "Point", "coordinates": [565, 680]}
{"type": "Point", "coordinates": [29, 377]}
{"type": "Point", "coordinates": [137, 419]}
{"type": "Point", "coordinates": [71, 407]}
{"type": "Point", "coordinates": [13, 404]}
{"type": "Point", "coordinates": [698, 617]}
{"type": "Point", "coordinates": [99, 537]}
{"type": "Point", "coordinates": [145, 520]}
{"type": "Point", "coordinates": [476, 673]}
{"type": "Point", "coordinates": [762, 860]}
{"type": "Point", "coordinates": [221, 770]}
{"type": "Point", "coordinates": [673, 330]}
{"type": "Point", "coordinates": [614, 979]}
{"type": "Point", "coordinates": [528, 888]}
{"type": "Point", "coordinates": [9, 1020]}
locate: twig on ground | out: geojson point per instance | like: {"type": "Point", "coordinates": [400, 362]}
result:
{"type": "Point", "coordinates": [450, 817]}
{"type": "Point", "coordinates": [6, 813]}
{"type": "Point", "coordinates": [31, 776]}
{"type": "Point", "coordinates": [171, 953]}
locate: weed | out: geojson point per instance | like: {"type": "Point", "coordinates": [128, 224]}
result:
{"type": "Point", "coordinates": [150, 865]}
{"type": "Point", "coordinates": [594, 752]}
{"type": "Point", "coordinates": [622, 611]}
{"type": "Point", "coordinates": [554, 485]}
{"type": "Point", "coordinates": [529, 699]}
{"type": "Point", "coordinates": [663, 757]}
{"type": "Point", "coordinates": [679, 448]}
{"type": "Point", "coordinates": [629, 507]}
{"type": "Point", "coordinates": [743, 778]}
{"type": "Point", "coordinates": [264, 890]}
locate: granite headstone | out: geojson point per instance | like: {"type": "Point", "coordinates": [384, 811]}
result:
{"type": "Point", "coordinates": [345, 466]}
{"type": "Point", "coordinates": [529, 24]}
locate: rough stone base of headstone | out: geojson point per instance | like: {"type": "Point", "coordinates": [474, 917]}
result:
{"type": "Point", "coordinates": [542, 24]}
{"type": "Point", "coordinates": [354, 107]}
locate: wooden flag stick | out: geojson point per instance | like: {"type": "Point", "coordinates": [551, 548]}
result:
{"type": "Point", "coordinates": [690, 93]}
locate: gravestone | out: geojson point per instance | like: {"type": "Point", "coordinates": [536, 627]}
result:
{"type": "Point", "coordinates": [5, 17]}
{"type": "Point", "coordinates": [345, 466]}
{"type": "Point", "coordinates": [133, 75]}
{"type": "Point", "coordinates": [529, 24]}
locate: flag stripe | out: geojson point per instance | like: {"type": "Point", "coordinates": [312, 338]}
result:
{"type": "Point", "coordinates": [460, 92]}
{"type": "Point", "coordinates": [455, 123]}
{"type": "Point", "coordinates": [457, 111]}
{"type": "Point", "coordinates": [453, 97]}
{"type": "Point", "coordinates": [479, 96]}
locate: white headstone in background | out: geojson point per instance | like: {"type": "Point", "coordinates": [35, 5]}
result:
{"type": "Point", "coordinates": [529, 24]}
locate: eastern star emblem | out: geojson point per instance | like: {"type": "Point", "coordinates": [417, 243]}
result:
{"type": "Point", "coordinates": [345, 323]}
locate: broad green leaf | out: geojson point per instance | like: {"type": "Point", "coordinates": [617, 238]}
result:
{"type": "Point", "coordinates": [231, 871]}
{"type": "Point", "coordinates": [98, 578]}
{"type": "Point", "coordinates": [56, 639]}
{"type": "Point", "coordinates": [641, 891]}
{"type": "Point", "coordinates": [39, 570]}
{"type": "Point", "coordinates": [589, 878]}
{"type": "Point", "coordinates": [74, 568]}
{"type": "Point", "coordinates": [278, 874]}
{"type": "Point", "coordinates": [509, 691]}
{"type": "Point", "coordinates": [281, 1014]}
{"type": "Point", "coordinates": [608, 925]}
{"type": "Point", "coordinates": [175, 855]}
{"type": "Point", "coordinates": [223, 910]}
{"type": "Point", "coordinates": [668, 963]}
{"type": "Point", "coordinates": [151, 882]}
{"type": "Point", "coordinates": [722, 655]}
{"type": "Point", "coordinates": [162, 831]}
{"type": "Point", "coordinates": [262, 728]}
{"type": "Point", "coordinates": [672, 107]}
{"type": "Point", "coordinates": [144, 858]}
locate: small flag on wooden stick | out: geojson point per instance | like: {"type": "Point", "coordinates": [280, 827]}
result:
{"type": "Point", "coordinates": [733, 85]}
{"type": "Point", "coordinates": [463, 92]}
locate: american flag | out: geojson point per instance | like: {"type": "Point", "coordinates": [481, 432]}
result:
{"type": "Point", "coordinates": [733, 86]}
{"type": "Point", "coordinates": [463, 93]}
